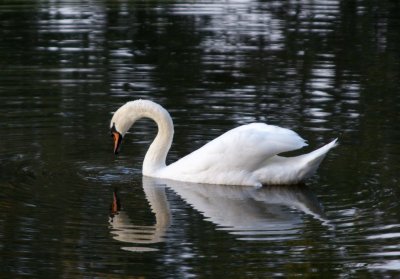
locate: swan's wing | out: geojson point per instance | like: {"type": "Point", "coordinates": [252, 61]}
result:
{"type": "Point", "coordinates": [245, 148]}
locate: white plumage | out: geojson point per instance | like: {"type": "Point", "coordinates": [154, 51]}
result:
{"type": "Point", "coordinates": [246, 155]}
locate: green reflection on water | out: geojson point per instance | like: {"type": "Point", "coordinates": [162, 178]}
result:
{"type": "Point", "coordinates": [323, 69]}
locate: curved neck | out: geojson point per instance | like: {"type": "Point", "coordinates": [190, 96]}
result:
{"type": "Point", "coordinates": [157, 153]}
{"type": "Point", "coordinates": [126, 116]}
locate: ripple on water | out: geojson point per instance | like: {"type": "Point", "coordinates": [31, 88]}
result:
{"type": "Point", "coordinates": [248, 61]}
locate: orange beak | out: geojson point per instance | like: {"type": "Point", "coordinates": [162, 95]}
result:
{"type": "Point", "coordinates": [117, 141]}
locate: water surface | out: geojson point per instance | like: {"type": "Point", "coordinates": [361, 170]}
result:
{"type": "Point", "coordinates": [325, 69]}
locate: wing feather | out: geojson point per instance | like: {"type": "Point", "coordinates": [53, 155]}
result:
{"type": "Point", "coordinates": [244, 148]}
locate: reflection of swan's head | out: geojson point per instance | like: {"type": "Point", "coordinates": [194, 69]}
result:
{"type": "Point", "coordinates": [115, 205]}
{"type": "Point", "coordinates": [124, 230]}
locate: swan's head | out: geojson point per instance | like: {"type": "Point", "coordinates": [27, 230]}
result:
{"type": "Point", "coordinates": [121, 121]}
{"type": "Point", "coordinates": [129, 113]}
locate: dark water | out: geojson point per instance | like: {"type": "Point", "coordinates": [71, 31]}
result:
{"type": "Point", "coordinates": [325, 69]}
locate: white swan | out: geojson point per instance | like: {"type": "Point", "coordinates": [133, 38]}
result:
{"type": "Point", "coordinates": [246, 155]}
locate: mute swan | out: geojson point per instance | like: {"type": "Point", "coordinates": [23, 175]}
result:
{"type": "Point", "coordinates": [246, 155]}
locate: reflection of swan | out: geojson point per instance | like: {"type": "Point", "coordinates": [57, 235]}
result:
{"type": "Point", "coordinates": [245, 211]}
{"type": "Point", "coordinates": [236, 208]}
{"type": "Point", "coordinates": [246, 155]}
{"type": "Point", "coordinates": [123, 229]}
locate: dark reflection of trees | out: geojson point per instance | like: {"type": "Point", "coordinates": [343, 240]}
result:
{"type": "Point", "coordinates": [213, 70]}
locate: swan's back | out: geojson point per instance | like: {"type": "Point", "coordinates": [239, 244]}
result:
{"type": "Point", "coordinates": [233, 157]}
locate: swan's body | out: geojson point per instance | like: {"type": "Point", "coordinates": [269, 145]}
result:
{"type": "Point", "coordinates": [246, 155]}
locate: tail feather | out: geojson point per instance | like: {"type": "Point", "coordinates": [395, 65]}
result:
{"type": "Point", "coordinates": [313, 159]}
{"type": "Point", "coordinates": [291, 170]}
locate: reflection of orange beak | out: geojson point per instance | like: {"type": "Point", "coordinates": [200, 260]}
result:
{"type": "Point", "coordinates": [117, 141]}
{"type": "Point", "coordinates": [114, 205]}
